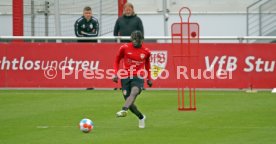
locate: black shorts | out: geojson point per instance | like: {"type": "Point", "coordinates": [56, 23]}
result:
{"type": "Point", "coordinates": [128, 83]}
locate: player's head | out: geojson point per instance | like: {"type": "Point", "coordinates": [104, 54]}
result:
{"type": "Point", "coordinates": [128, 9]}
{"type": "Point", "coordinates": [137, 38]}
{"type": "Point", "coordinates": [87, 12]}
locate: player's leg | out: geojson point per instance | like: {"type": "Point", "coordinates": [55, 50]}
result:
{"type": "Point", "coordinates": [131, 89]}
{"type": "Point", "coordinates": [136, 88]}
{"type": "Point", "coordinates": [130, 98]}
{"type": "Point", "coordinates": [133, 86]}
{"type": "Point", "coordinates": [126, 88]}
{"type": "Point", "coordinates": [136, 85]}
{"type": "Point", "coordinates": [133, 108]}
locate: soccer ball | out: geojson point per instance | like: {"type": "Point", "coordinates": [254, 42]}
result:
{"type": "Point", "coordinates": [86, 125]}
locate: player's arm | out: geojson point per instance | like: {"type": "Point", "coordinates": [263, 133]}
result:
{"type": "Point", "coordinates": [118, 58]}
{"type": "Point", "coordinates": [147, 66]}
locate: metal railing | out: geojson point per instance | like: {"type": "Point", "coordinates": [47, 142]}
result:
{"type": "Point", "coordinates": [267, 17]}
{"type": "Point", "coordinates": [239, 39]}
{"type": "Point", "coordinates": [260, 18]}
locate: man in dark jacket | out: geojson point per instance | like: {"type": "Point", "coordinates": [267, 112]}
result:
{"type": "Point", "coordinates": [87, 25]}
{"type": "Point", "coordinates": [128, 23]}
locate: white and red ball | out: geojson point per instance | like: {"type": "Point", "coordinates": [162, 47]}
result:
{"type": "Point", "coordinates": [86, 125]}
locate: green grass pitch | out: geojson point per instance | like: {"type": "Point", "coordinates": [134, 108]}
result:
{"type": "Point", "coordinates": [52, 117]}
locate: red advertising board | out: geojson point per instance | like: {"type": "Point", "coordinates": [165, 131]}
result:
{"type": "Point", "coordinates": [85, 65]}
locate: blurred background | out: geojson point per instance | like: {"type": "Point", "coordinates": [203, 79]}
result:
{"type": "Point", "coordinates": [216, 17]}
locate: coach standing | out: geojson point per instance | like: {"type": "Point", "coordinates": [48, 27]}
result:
{"type": "Point", "coordinates": [128, 23]}
{"type": "Point", "coordinates": [87, 25]}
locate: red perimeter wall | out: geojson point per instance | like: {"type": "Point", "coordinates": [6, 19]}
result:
{"type": "Point", "coordinates": [244, 65]}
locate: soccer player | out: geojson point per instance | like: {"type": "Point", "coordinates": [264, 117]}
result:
{"type": "Point", "coordinates": [87, 25]}
{"type": "Point", "coordinates": [135, 59]}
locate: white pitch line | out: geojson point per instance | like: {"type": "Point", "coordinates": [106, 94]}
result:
{"type": "Point", "coordinates": [238, 127]}
{"type": "Point", "coordinates": [45, 127]}
{"type": "Point", "coordinates": [42, 127]}
{"type": "Point", "coordinates": [256, 127]}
